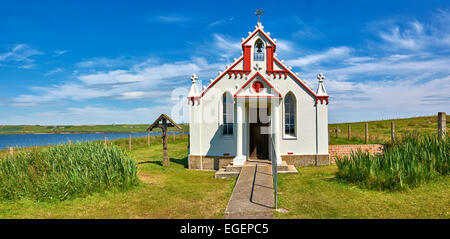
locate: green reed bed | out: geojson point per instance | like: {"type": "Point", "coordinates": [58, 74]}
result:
{"type": "Point", "coordinates": [66, 171]}
{"type": "Point", "coordinates": [411, 162]}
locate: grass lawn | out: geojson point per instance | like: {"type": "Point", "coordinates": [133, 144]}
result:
{"type": "Point", "coordinates": [173, 192]}
{"type": "Point", "coordinates": [315, 193]}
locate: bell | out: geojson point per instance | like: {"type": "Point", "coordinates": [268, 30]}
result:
{"type": "Point", "coordinates": [259, 46]}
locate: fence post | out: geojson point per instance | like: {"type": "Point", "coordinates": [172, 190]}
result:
{"type": "Point", "coordinates": [106, 141]}
{"type": "Point", "coordinates": [349, 132]}
{"type": "Point", "coordinates": [148, 139]}
{"type": "Point", "coordinates": [442, 124]}
{"type": "Point", "coordinates": [129, 141]}
{"type": "Point", "coordinates": [367, 133]}
{"type": "Point", "coordinates": [392, 132]}
{"type": "Point", "coordinates": [337, 131]}
{"type": "Point", "coordinates": [70, 142]}
{"type": "Point", "coordinates": [11, 150]}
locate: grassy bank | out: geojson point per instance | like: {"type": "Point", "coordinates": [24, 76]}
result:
{"type": "Point", "coordinates": [173, 192]}
{"type": "Point", "coordinates": [65, 171]}
{"type": "Point", "coordinates": [413, 161]}
{"type": "Point", "coordinates": [316, 193]}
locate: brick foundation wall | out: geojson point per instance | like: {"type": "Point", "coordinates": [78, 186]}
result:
{"type": "Point", "coordinates": [305, 160]}
{"type": "Point", "coordinates": [208, 162]}
{"type": "Point", "coordinates": [346, 150]}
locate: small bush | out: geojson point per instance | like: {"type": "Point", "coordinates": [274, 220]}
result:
{"type": "Point", "coordinates": [409, 163]}
{"type": "Point", "coordinates": [66, 171]}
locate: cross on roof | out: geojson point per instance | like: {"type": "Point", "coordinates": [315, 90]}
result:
{"type": "Point", "coordinates": [258, 13]}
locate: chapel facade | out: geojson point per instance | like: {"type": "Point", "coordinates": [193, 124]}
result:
{"type": "Point", "coordinates": [257, 109]}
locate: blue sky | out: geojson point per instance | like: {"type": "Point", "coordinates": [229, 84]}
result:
{"type": "Point", "coordinates": [102, 62]}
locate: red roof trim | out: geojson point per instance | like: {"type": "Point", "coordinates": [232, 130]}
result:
{"type": "Point", "coordinates": [248, 82]}
{"type": "Point", "coordinates": [296, 78]}
{"type": "Point", "coordinates": [265, 35]}
{"type": "Point", "coordinates": [220, 77]}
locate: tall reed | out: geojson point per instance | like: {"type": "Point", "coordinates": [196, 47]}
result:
{"type": "Point", "coordinates": [413, 161]}
{"type": "Point", "coordinates": [66, 171]}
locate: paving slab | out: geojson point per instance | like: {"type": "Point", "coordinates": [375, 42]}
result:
{"type": "Point", "coordinates": [253, 194]}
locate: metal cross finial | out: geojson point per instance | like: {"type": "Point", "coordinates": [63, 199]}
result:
{"type": "Point", "coordinates": [320, 77]}
{"type": "Point", "coordinates": [194, 78]}
{"type": "Point", "coordinates": [258, 13]}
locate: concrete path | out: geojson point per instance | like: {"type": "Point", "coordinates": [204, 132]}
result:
{"type": "Point", "coordinates": [253, 195]}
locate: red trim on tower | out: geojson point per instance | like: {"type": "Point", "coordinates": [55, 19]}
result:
{"type": "Point", "coordinates": [270, 50]}
{"type": "Point", "coordinates": [322, 98]}
{"type": "Point", "coordinates": [247, 58]}
{"type": "Point", "coordinates": [193, 98]}
{"type": "Point", "coordinates": [248, 82]}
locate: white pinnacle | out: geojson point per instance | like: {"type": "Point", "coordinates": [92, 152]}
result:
{"type": "Point", "coordinates": [321, 88]}
{"type": "Point", "coordinates": [194, 90]}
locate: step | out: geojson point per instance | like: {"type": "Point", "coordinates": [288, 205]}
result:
{"type": "Point", "coordinates": [231, 168]}
{"type": "Point", "coordinates": [221, 173]}
{"type": "Point", "coordinates": [283, 167]}
{"type": "Point", "coordinates": [289, 169]}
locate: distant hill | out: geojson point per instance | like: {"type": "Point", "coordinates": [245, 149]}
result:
{"type": "Point", "coordinates": [35, 129]}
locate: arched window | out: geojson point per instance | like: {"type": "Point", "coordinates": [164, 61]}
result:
{"type": "Point", "coordinates": [259, 50]}
{"type": "Point", "coordinates": [227, 113]}
{"type": "Point", "coordinates": [289, 115]}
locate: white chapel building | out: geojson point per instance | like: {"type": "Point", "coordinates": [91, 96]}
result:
{"type": "Point", "coordinates": [257, 109]}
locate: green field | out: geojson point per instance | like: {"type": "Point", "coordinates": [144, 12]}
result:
{"type": "Point", "coordinates": [35, 129]}
{"type": "Point", "coordinates": [380, 131]}
{"type": "Point", "coordinates": [177, 192]}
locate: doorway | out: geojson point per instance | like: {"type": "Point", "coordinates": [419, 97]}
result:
{"type": "Point", "coordinates": [259, 137]}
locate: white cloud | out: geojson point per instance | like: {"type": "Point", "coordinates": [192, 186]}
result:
{"type": "Point", "coordinates": [225, 46]}
{"type": "Point", "coordinates": [142, 81]}
{"type": "Point", "coordinates": [404, 39]}
{"type": "Point", "coordinates": [220, 22]}
{"type": "Point", "coordinates": [331, 54]}
{"type": "Point", "coordinates": [97, 115]}
{"type": "Point", "coordinates": [60, 52]}
{"type": "Point", "coordinates": [171, 18]}
{"type": "Point", "coordinates": [54, 71]}
{"type": "Point", "coordinates": [102, 62]}
{"type": "Point", "coordinates": [20, 55]}
{"type": "Point", "coordinates": [417, 36]}
{"type": "Point", "coordinates": [285, 46]}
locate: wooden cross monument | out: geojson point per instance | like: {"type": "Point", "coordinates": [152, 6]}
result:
{"type": "Point", "coordinates": [162, 123]}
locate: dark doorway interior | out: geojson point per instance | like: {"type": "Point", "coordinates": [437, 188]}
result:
{"type": "Point", "coordinates": [259, 139]}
